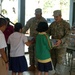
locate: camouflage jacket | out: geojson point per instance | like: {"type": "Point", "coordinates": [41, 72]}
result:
{"type": "Point", "coordinates": [32, 25]}
{"type": "Point", "coordinates": [59, 30]}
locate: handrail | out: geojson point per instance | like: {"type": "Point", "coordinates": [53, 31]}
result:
{"type": "Point", "coordinates": [5, 17]}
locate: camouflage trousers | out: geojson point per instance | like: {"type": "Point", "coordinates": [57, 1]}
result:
{"type": "Point", "coordinates": [58, 58]}
{"type": "Point", "coordinates": [32, 56]}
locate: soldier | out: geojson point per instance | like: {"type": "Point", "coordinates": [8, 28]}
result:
{"type": "Point", "coordinates": [32, 24]}
{"type": "Point", "coordinates": [59, 30]}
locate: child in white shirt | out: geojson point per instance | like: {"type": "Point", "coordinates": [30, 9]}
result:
{"type": "Point", "coordinates": [3, 57]}
{"type": "Point", "coordinates": [17, 41]}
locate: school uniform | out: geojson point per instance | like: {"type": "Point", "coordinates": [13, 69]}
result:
{"type": "Point", "coordinates": [3, 70]}
{"type": "Point", "coordinates": [17, 62]}
{"type": "Point", "coordinates": [43, 52]}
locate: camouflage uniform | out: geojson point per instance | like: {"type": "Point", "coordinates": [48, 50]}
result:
{"type": "Point", "coordinates": [60, 31]}
{"type": "Point", "coordinates": [32, 24]}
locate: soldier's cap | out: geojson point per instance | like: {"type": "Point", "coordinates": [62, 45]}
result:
{"type": "Point", "coordinates": [38, 11]}
{"type": "Point", "coordinates": [42, 27]}
{"type": "Point", "coordinates": [57, 13]}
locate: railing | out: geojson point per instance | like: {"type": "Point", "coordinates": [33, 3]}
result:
{"type": "Point", "coordinates": [5, 17]}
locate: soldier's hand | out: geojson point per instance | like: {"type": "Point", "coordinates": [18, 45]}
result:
{"type": "Point", "coordinates": [58, 42]}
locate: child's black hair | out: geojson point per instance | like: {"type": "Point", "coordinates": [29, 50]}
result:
{"type": "Point", "coordinates": [42, 27]}
{"type": "Point", "coordinates": [17, 27]}
{"type": "Point", "coordinates": [3, 22]}
{"type": "Point", "coordinates": [7, 19]}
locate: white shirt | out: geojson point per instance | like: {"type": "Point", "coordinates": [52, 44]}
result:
{"type": "Point", "coordinates": [17, 42]}
{"type": "Point", "coordinates": [2, 41]}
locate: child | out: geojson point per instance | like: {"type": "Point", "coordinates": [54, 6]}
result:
{"type": "Point", "coordinates": [17, 41]}
{"type": "Point", "coordinates": [43, 47]}
{"type": "Point", "coordinates": [3, 57]}
{"type": "Point", "coordinates": [9, 30]}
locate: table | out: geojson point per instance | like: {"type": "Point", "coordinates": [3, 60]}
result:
{"type": "Point", "coordinates": [71, 50]}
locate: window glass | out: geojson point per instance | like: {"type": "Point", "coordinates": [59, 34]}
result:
{"type": "Point", "coordinates": [47, 6]}
{"type": "Point", "coordinates": [10, 9]}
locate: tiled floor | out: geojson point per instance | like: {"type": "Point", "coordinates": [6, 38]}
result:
{"type": "Point", "coordinates": [67, 68]}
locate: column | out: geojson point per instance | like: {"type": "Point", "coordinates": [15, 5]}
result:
{"type": "Point", "coordinates": [21, 11]}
